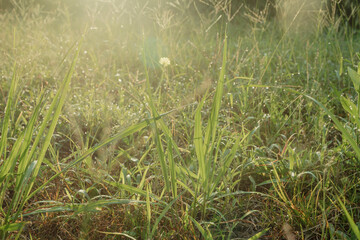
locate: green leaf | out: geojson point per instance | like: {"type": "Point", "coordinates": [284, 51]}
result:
{"type": "Point", "coordinates": [355, 77]}
{"type": "Point", "coordinates": [352, 109]}
{"type": "Point", "coordinates": [11, 227]}
{"type": "Point", "coordinates": [206, 234]}
{"type": "Point", "coordinates": [338, 124]}
{"type": "Point", "coordinates": [353, 226]}
{"type": "Point", "coordinates": [6, 122]}
{"type": "Point", "coordinates": [258, 235]}
{"type": "Point", "coordinates": [158, 219]}
{"type": "Point", "coordinates": [198, 141]}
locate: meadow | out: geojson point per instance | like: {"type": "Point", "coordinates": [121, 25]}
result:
{"type": "Point", "coordinates": [179, 119]}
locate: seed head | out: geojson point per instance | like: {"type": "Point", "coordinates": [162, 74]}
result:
{"type": "Point", "coordinates": [164, 61]}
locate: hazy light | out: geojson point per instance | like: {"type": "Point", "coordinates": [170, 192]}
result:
{"type": "Point", "coordinates": [302, 16]}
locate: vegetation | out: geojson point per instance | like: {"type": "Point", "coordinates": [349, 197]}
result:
{"type": "Point", "coordinates": [179, 119]}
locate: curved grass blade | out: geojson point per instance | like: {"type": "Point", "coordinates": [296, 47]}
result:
{"type": "Point", "coordinates": [258, 235]}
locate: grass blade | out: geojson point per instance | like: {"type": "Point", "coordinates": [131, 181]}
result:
{"type": "Point", "coordinates": [155, 114]}
{"type": "Point", "coordinates": [4, 169]}
{"type": "Point", "coordinates": [206, 234]}
{"type": "Point", "coordinates": [212, 124]}
{"type": "Point", "coordinates": [258, 235]}
{"type": "Point", "coordinates": [158, 219]}
{"type": "Point", "coordinates": [148, 210]}
{"type": "Point", "coordinates": [338, 124]}
{"type": "Point", "coordinates": [55, 106]}
{"type": "Point", "coordinates": [172, 167]}
{"type": "Point", "coordinates": [198, 141]}
{"type": "Point", "coordinates": [353, 226]}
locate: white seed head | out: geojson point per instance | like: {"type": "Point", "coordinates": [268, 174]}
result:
{"type": "Point", "coordinates": [164, 61]}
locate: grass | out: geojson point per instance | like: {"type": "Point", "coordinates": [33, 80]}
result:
{"type": "Point", "coordinates": [251, 132]}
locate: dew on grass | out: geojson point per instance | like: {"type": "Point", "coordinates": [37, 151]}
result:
{"type": "Point", "coordinates": [134, 159]}
{"type": "Point", "coordinates": [128, 178]}
{"type": "Point", "coordinates": [138, 178]}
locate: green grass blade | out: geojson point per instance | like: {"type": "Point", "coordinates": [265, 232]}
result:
{"type": "Point", "coordinates": [11, 227]}
{"type": "Point", "coordinates": [355, 77]}
{"type": "Point", "coordinates": [206, 235]}
{"type": "Point", "coordinates": [198, 141]}
{"type": "Point", "coordinates": [56, 106]}
{"type": "Point", "coordinates": [172, 167]}
{"type": "Point", "coordinates": [161, 153]}
{"type": "Point", "coordinates": [6, 122]}
{"type": "Point", "coordinates": [158, 219]}
{"type": "Point", "coordinates": [352, 109]}
{"type": "Point", "coordinates": [155, 114]}
{"type": "Point", "coordinates": [148, 210]}
{"type": "Point", "coordinates": [353, 226]}
{"type": "Point", "coordinates": [258, 235]}
{"type": "Point", "coordinates": [212, 124]}
{"type": "Point", "coordinates": [338, 124]}
{"type": "Point", "coordinates": [226, 163]}
{"type": "Point", "coordinates": [10, 163]}
{"type": "Point", "coordinates": [29, 133]}
{"type": "Point", "coordinates": [23, 167]}
{"type": "Point", "coordinates": [19, 191]}
{"type": "Point", "coordinates": [91, 206]}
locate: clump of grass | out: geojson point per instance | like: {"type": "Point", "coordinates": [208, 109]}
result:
{"type": "Point", "coordinates": [20, 169]}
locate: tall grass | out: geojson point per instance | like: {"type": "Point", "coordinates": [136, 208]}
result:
{"type": "Point", "coordinates": [28, 152]}
{"type": "Point", "coordinates": [250, 132]}
{"type": "Point", "coordinates": [26, 155]}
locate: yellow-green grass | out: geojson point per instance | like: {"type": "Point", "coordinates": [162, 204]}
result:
{"type": "Point", "coordinates": [250, 132]}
